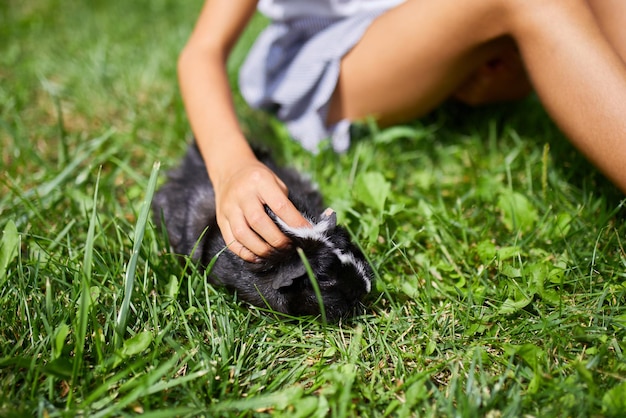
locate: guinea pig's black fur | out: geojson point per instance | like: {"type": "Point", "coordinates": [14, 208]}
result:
{"type": "Point", "coordinates": [186, 206]}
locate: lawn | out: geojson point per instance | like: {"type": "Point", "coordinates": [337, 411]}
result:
{"type": "Point", "coordinates": [499, 251]}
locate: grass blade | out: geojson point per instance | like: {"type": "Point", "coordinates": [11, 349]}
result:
{"type": "Point", "coordinates": [316, 287]}
{"type": "Point", "coordinates": [129, 278]}
{"type": "Point", "coordinates": [8, 248]}
{"type": "Point", "coordinates": [80, 323]}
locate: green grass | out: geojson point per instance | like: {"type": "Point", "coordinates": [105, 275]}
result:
{"type": "Point", "coordinates": [499, 252]}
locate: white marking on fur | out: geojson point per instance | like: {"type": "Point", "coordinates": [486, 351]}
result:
{"type": "Point", "coordinates": [318, 232]}
{"type": "Point", "coordinates": [358, 266]}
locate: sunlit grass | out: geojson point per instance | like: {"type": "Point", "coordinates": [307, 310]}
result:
{"type": "Point", "coordinates": [499, 252]}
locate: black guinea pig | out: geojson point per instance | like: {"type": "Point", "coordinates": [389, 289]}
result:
{"type": "Point", "coordinates": [185, 205]}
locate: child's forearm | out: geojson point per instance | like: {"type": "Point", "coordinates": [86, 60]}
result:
{"type": "Point", "coordinates": [205, 88]}
{"type": "Point", "coordinates": [211, 113]}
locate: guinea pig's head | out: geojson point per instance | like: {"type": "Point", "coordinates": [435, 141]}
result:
{"type": "Point", "coordinates": [339, 267]}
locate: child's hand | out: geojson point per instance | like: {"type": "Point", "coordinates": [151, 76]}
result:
{"type": "Point", "coordinates": [246, 228]}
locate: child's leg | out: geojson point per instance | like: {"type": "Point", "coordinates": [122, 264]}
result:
{"type": "Point", "coordinates": [416, 55]}
{"type": "Point", "coordinates": [579, 77]}
{"type": "Point", "coordinates": [611, 15]}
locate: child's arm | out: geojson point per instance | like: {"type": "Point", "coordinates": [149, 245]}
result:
{"type": "Point", "coordinates": [242, 184]}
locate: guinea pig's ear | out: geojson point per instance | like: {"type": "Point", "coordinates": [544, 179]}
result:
{"type": "Point", "coordinates": [287, 273]}
{"type": "Point", "coordinates": [329, 216]}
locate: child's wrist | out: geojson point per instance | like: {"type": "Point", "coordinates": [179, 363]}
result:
{"type": "Point", "coordinates": [227, 164]}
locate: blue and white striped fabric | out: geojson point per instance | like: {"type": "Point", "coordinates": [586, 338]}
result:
{"type": "Point", "coordinates": [293, 68]}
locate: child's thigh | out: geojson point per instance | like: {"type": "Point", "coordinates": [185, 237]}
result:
{"type": "Point", "coordinates": [414, 56]}
{"type": "Point", "coordinates": [611, 16]}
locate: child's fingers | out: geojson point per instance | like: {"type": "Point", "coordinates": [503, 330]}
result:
{"type": "Point", "coordinates": [261, 225]}
{"type": "Point", "coordinates": [243, 241]}
{"type": "Point", "coordinates": [243, 253]}
{"type": "Point", "coordinates": [286, 211]}
{"type": "Point", "coordinates": [252, 234]}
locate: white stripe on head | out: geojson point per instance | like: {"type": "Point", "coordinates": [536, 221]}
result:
{"type": "Point", "coordinates": [317, 232]}
{"type": "Point", "coordinates": [358, 266]}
